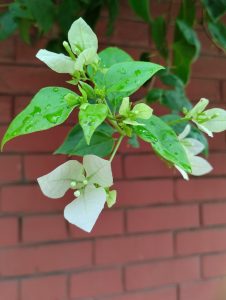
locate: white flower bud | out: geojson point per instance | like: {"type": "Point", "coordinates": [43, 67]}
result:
{"type": "Point", "coordinates": [77, 193]}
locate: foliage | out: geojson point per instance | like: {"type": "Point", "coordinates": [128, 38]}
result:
{"type": "Point", "coordinates": [106, 115]}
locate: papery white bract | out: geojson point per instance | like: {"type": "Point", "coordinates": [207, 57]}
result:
{"type": "Point", "coordinates": [90, 180]}
{"type": "Point", "coordinates": [209, 121]}
{"type": "Point", "coordinates": [192, 147]}
{"type": "Point", "coordinates": [84, 45]}
{"type": "Point", "coordinates": [84, 211]}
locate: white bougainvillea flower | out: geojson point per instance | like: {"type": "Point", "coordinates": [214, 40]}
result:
{"type": "Point", "coordinates": [192, 147]}
{"type": "Point", "coordinates": [82, 50]}
{"type": "Point", "coordinates": [208, 121]}
{"type": "Point", "coordinates": [89, 180]}
{"type": "Point", "coordinates": [140, 110]}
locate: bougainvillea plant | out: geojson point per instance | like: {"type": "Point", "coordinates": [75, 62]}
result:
{"type": "Point", "coordinates": [104, 82]}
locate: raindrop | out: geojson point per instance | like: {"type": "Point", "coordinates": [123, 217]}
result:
{"type": "Point", "coordinates": [55, 89]}
{"type": "Point", "coordinates": [123, 71]}
{"type": "Point", "coordinates": [137, 72]}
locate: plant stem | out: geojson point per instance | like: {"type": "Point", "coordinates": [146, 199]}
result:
{"type": "Point", "coordinates": [177, 121]}
{"type": "Point", "coordinates": [116, 147]}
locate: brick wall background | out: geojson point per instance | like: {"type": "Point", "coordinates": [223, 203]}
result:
{"type": "Point", "coordinates": [164, 240]}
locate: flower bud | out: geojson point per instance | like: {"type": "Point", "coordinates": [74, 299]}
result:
{"type": "Point", "coordinates": [77, 193]}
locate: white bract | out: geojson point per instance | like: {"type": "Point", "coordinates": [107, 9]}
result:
{"type": "Point", "coordinates": [140, 110]}
{"type": "Point", "coordinates": [89, 180]}
{"type": "Point", "coordinates": [208, 121]}
{"type": "Point", "coordinates": [82, 50]}
{"type": "Point", "coordinates": [192, 147]}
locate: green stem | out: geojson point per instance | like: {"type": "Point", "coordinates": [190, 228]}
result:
{"type": "Point", "coordinates": [115, 125]}
{"type": "Point", "coordinates": [116, 147]}
{"type": "Point", "coordinates": [177, 121]}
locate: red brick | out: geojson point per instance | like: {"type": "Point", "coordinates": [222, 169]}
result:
{"type": "Point", "coordinates": [48, 258]}
{"type": "Point", "coordinates": [39, 165]}
{"type": "Point", "coordinates": [133, 248]}
{"type": "Point", "coordinates": [214, 265]}
{"type": "Point", "coordinates": [216, 160]}
{"type": "Point", "coordinates": [124, 33]}
{"type": "Point", "coordinates": [201, 241]}
{"type": "Point", "coordinates": [224, 92]}
{"type": "Point", "coordinates": [210, 67]}
{"type": "Point", "coordinates": [163, 218]}
{"type": "Point", "coordinates": [146, 166]}
{"type": "Point", "coordinates": [208, 47]}
{"type": "Point", "coordinates": [28, 80]}
{"type": "Point", "coordinates": [7, 50]}
{"type": "Point", "coordinates": [127, 148]}
{"type": "Point", "coordinates": [51, 288]}
{"type": "Point", "coordinates": [206, 290]}
{"type": "Point", "coordinates": [20, 103]}
{"type": "Point", "coordinates": [165, 293]}
{"type": "Point", "coordinates": [9, 290]}
{"type": "Point", "coordinates": [8, 231]}
{"type": "Point", "coordinates": [110, 222]}
{"type": "Point", "coordinates": [214, 213]}
{"type": "Point", "coordinates": [162, 273]}
{"type": "Point", "coordinates": [29, 199]}
{"type": "Point", "coordinates": [43, 141]}
{"type": "Point", "coordinates": [44, 228]}
{"type": "Point", "coordinates": [218, 141]}
{"type": "Point", "coordinates": [139, 193]}
{"type": "Point", "coordinates": [117, 167]}
{"type": "Point", "coordinates": [10, 170]}
{"type": "Point", "coordinates": [27, 53]}
{"type": "Point", "coordinates": [201, 189]}
{"type": "Point", "coordinates": [199, 88]}
{"type": "Point", "coordinates": [96, 283]}
{"type": "Point", "coordinates": [5, 109]}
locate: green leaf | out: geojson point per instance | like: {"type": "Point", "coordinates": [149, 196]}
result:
{"type": "Point", "coordinates": [123, 79]}
{"type": "Point", "coordinates": [215, 8]}
{"type": "Point", "coordinates": [164, 141]}
{"type": "Point", "coordinates": [43, 12]}
{"type": "Point", "coordinates": [187, 12]}
{"type": "Point", "coordinates": [113, 55]}
{"type": "Point", "coordinates": [91, 117]}
{"type": "Point", "coordinates": [218, 33]}
{"type": "Point", "coordinates": [133, 141]}
{"type": "Point", "coordinates": [141, 8]}
{"type": "Point", "coordinates": [186, 49]}
{"type": "Point", "coordinates": [7, 25]}
{"type": "Point", "coordinates": [154, 95]}
{"type": "Point", "coordinates": [101, 143]}
{"type": "Point", "coordinates": [158, 30]}
{"type": "Point", "coordinates": [170, 79]}
{"type": "Point", "coordinates": [175, 99]}
{"type": "Point", "coordinates": [47, 109]}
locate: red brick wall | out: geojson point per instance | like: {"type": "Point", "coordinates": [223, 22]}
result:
{"type": "Point", "coordinates": [164, 240]}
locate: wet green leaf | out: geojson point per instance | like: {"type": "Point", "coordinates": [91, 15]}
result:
{"type": "Point", "coordinates": [113, 55]}
{"type": "Point", "coordinates": [47, 109]}
{"type": "Point", "coordinates": [91, 117]}
{"type": "Point", "coordinates": [164, 141]}
{"type": "Point", "coordinates": [101, 143]}
{"type": "Point", "coordinates": [123, 79]}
